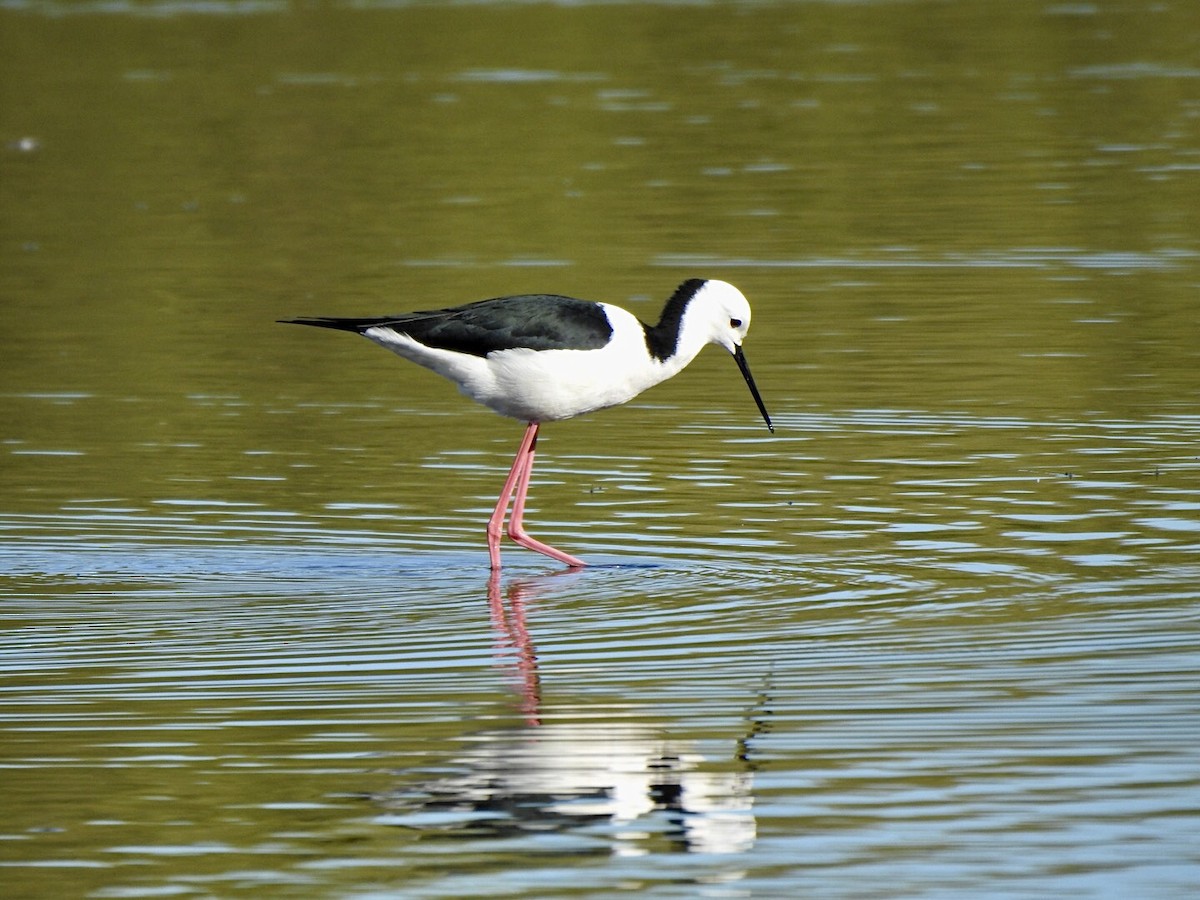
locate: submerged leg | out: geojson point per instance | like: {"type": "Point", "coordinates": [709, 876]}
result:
{"type": "Point", "coordinates": [518, 483]}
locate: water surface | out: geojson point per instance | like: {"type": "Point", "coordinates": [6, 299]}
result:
{"type": "Point", "coordinates": [935, 637]}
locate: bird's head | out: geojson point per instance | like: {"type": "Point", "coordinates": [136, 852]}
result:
{"type": "Point", "coordinates": [726, 312]}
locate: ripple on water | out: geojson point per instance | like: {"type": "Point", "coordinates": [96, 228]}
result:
{"type": "Point", "coordinates": [934, 660]}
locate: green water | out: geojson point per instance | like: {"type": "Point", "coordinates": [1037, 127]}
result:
{"type": "Point", "coordinates": [935, 637]}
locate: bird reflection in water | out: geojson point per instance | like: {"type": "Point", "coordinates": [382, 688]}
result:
{"type": "Point", "coordinates": [625, 784]}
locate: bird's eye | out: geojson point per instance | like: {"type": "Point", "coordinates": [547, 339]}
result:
{"type": "Point", "coordinates": [735, 323]}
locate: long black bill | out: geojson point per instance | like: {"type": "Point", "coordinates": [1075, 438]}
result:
{"type": "Point", "coordinates": [740, 357]}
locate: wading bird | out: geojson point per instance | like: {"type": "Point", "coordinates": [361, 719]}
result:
{"type": "Point", "coordinates": [542, 357]}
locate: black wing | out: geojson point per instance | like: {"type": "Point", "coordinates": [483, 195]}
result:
{"type": "Point", "coordinates": [531, 321]}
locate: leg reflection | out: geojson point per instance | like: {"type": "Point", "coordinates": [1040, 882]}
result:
{"type": "Point", "coordinates": [514, 647]}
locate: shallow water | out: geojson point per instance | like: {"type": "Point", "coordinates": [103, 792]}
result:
{"type": "Point", "coordinates": [934, 637]}
{"type": "Point", "coordinates": [931, 672]}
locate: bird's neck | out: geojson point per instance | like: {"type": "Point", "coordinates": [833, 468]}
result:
{"type": "Point", "coordinates": [669, 339]}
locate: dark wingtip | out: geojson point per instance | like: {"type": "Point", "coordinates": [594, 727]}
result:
{"type": "Point", "coordinates": [319, 322]}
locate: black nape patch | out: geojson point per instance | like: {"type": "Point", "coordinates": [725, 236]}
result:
{"type": "Point", "coordinates": [662, 340]}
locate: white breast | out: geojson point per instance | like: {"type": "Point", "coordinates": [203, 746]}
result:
{"type": "Point", "coordinates": [546, 385]}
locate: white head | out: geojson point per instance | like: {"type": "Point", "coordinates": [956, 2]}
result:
{"type": "Point", "coordinates": [723, 310]}
{"type": "Point", "coordinates": [718, 313]}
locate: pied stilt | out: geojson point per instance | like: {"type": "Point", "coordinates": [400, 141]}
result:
{"type": "Point", "coordinates": [542, 357]}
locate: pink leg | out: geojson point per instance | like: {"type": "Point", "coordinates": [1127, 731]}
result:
{"type": "Point", "coordinates": [516, 527]}
{"type": "Point", "coordinates": [518, 481]}
{"type": "Point", "coordinates": [496, 523]}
